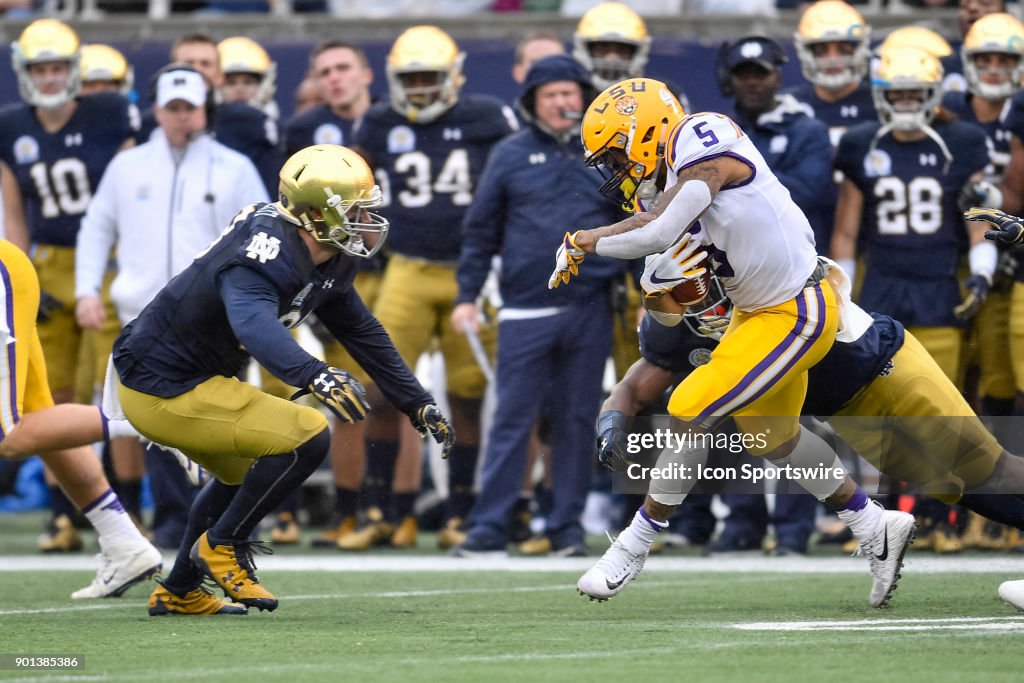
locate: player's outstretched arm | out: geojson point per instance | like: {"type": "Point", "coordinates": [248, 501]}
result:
{"type": "Point", "coordinates": [1005, 228]}
{"type": "Point", "coordinates": [643, 384]}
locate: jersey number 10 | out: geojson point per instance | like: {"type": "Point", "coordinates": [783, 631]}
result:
{"type": "Point", "coordinates": [63, 188]}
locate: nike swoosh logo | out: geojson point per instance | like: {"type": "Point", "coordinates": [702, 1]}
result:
{"type": "Point", "coordinates": [882, 556]}
{"type": "Point", "coordinates": [613, 586]}
{"type": "Point", "coordinates": [658, 281]}
{"type": "Point", "coordinates": [110, 578]}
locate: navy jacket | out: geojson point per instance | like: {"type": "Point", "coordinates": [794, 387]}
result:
{"type": "Point", "coordinates": [533, 189]}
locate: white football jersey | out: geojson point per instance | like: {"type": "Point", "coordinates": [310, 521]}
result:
{"type": "Point", "coordinates": [763, 246]}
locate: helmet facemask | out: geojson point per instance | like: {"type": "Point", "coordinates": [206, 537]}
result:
{"type": "Point", "coordinates": [711, 316]}
{"type": "Point", "coordinates": [833, 72]}
{"type": "Point", "coordinates": [623, 176]}
{"type": "Point", "coordinates": [347, 225]}
{"type": "Point", "coordinates": [1012, 73]}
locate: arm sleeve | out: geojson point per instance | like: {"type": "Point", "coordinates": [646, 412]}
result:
{"type": "Point", "coordinates": [251, 302]}
{"type": "Point", "coordinates": [807, 169]}
{"type": "Point", "coordinates": [364, 338]}
{"type": "Point", "coordinates": [482, 233]}
{"type": "Point", "coordinates": [97, 235]}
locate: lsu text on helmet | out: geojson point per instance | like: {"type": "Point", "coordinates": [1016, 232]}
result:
{"type": "Point", "coordinates": [424, 70]}
{"type": "Point", "coordinates": [998, 40]}
{"type": "Point", "coordinates": [612, 43]}
{"type": "Point", "coordinates": [328, 190]}
{"type": "Point", "coordinates": [833, 44]}
{"type": "Point", "coordinates": [47, 41]}
{"type": "Point", "coordinates": [241, 55]}
{"type": "Point", "coordinates": [624, 132]}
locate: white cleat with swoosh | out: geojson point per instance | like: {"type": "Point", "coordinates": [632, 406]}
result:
{"type": "Point", "coordinates": [122, 565]}
{"type": "Point", "coordinates": [613, 572]}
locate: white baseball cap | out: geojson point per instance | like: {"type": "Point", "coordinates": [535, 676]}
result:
{"type": "Point", "coordinates": [181, 84]}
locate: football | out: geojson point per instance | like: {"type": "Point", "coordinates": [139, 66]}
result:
{"type": "Point", "coordinates": [693, 291]}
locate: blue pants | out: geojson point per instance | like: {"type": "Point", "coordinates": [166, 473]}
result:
{"type": "Point", "coordinates": [558, 362]}
{"type": "Point", "coordinates": [793, 518]}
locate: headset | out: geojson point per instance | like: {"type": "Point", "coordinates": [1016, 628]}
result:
{"type": "Point", "coordinates": [722, 72]}
{"type": "Point", "coordinates": [210, 105]}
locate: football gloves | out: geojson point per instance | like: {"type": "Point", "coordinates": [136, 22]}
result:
{"type": "Point", "coordinates": [977, 288]}
{"type": "Point", "coordinates": [1009, 229]}
{"type": "Point", "coordinates": [675, 265]}
{"type": "Point", "coordinates": [340, 392]}
{"type": "Point", "coordinates": [48, 306]}
{"type": "Point", "coordinates": [979, 193]}
{"type": "Point", "coordinates": [428, 419]}
{"type": "Point", "coordinates": [567, 261]}
{"type": "Point", "coordinates": [611, 441]}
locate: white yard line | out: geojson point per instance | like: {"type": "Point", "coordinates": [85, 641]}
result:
{"type": "Point", "coordinates": [1007, 623]}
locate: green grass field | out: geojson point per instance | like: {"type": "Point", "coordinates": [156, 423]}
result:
{"type": "Point", "coordinates": [499, 625]}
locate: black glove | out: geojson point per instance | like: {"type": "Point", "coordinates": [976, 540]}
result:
{"type": "Point", "coordinates": [339, 391]}
{"type": "Point", "coordinates": [611, 441]}
{"type": "Point", "coordinates": [977, 287]}
{"type": "Point", "coordinates": [428, 419]}
{"type": "Point", "coordinates": [1008, 228]}
{"type": "Point", "coordinates": [48, 305]}
{"type": "Point", "coordinates": [979, 193]}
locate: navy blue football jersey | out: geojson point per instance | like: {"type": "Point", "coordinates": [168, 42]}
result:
{"type": "Point", "coordinates": [997, 132]}
{"type": "Point", "coordinates": [249, 131]}
{"type": "Point", "coordinates": [855, 108]}
{"type": "Point", "coordinates": [428, 172]}
{"type": "Point", "coordinates": [317, 126]}
{"type": "Point", "coordinates": [911, 227]}
{"type": "Point", "coordinates": [185, 336]}
{"type": "Point", "coordinates": [845, 370]}
{"type": "Point", "coordinates": [58, 172]}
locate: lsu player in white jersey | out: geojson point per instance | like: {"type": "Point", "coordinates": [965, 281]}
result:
{"type": "Point", "coordinates": [721, 200]}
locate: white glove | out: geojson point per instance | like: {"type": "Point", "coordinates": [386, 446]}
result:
{"type": "Point", "coordinates": [678, 263]}
{"type": "Point", "coordinates": [567, 261]}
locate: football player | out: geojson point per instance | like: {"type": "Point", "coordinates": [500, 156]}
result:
{"type": "Point", "coordinates": [786, 314]}
{"type": "Point", "coordinates": [54, 147]}
{"type": "Point", "coordinates": [833, 45]}
{"type": "Point", "coordinates": [104, 69]}
{"type": "Point", "coordinates": [342, 76]}
{"type": "Point", "coordinates": [612, 43]}
{"type": "Point", "coordinates": [177, 366]}
{"type": "Point", "coordinates": [428, 145]}
{"type": "Point", "coordinates": [249, 74]}
{"type": "Point", "coordinates": [30, 423]}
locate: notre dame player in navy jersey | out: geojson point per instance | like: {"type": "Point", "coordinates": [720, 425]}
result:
{"type": "Point", "coordinates": [428, 145]}
{"type": "Point", "coordinates": [54, 147]}
{"type": "Point", "coordinates": [902, 181]}
{"type": "Point", "coordinates": [177, 365]}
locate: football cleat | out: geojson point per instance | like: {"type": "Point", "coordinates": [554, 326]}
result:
{"type": "Point", "coordinates": [613, 572]}
{"type": "Point", "coordinates": [329, 537]}
{"type": "Point", "coordinates": [375, 532]}
{"type": "Point", "coordinates": [1012, 593]}
{"type": "Point", "coordinates": [60, 536]}
{"type": "Point", "coordinates": [199, 602]}
{"type": "Point", "coordinates": [231, 567]}
{"type": "Point", "coordinates": [405, 534]}
{"type": "Point", "coordinates": [885, 550]}
{"type": "Point", "coordinates": [452, 534]}
{"type": "Point", "coordinates": [285, 530]}
{"type": "Point", "coordinates": [122, 565]}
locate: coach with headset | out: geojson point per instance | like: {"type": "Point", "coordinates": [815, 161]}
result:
{"type": "Point", "coordinates": [161, 203]}
{"type": "Point", "coordinates": [797, 149]}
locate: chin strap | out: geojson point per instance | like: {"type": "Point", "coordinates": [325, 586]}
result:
{"type": "Point", "coordinates": [927, 130]}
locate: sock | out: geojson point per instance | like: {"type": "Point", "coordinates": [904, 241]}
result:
{"type": "Point", "coordinates": [346, 502]}
{"type": "Point", "coordinates": [380, 472]}
{"type": "Point", "coordinates": [111, 521]}
{"type": "Point", "coordinates": [209, 505]}
{"type": "Point", "coordinates": [813, 453]}
{"type": "Point", "coordinates": [461, 473]}
{"type": "Point", "coordinates": [60, 504]}
{"type": "Point", "coordinates": [270, 480]}
{"type": "Point", "coordinates": [860, 514]}
{"type": "Point", "coordinates": [129, 491]}
{"type": "Point", "coordinates": [402, 504]}
{"type": "Point", "coordinates": [640, 533]}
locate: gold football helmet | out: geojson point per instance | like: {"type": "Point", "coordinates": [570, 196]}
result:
{"type": "Point", "coordinates": [241, 55]}
{"type": "Point", "coordinates": [328, 190]}
{"type": "Point", "coordinates": [430, 54]}
{"type": "Point", "coordinates": [998, 34]}
{"type": "Point", "coordinates": [624, 132]}
{"type": "Point", "coordinates": [917, 36]}
{"type": "Point", "coordinates": [101, 63]}
{"type": "Point", "coordinates": [604, 36]}
{"type": "Point", "coordinates": [906, 69]}
{"type": "Point", "coordinates": [46, 40]}
{"type": "Point", "coordinates": [833, 21]}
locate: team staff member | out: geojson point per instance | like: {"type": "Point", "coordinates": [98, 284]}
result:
{"type": "Point", "coordinates": [549, 341]}
{"type": "Point", "coordinates": [177, 365]}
